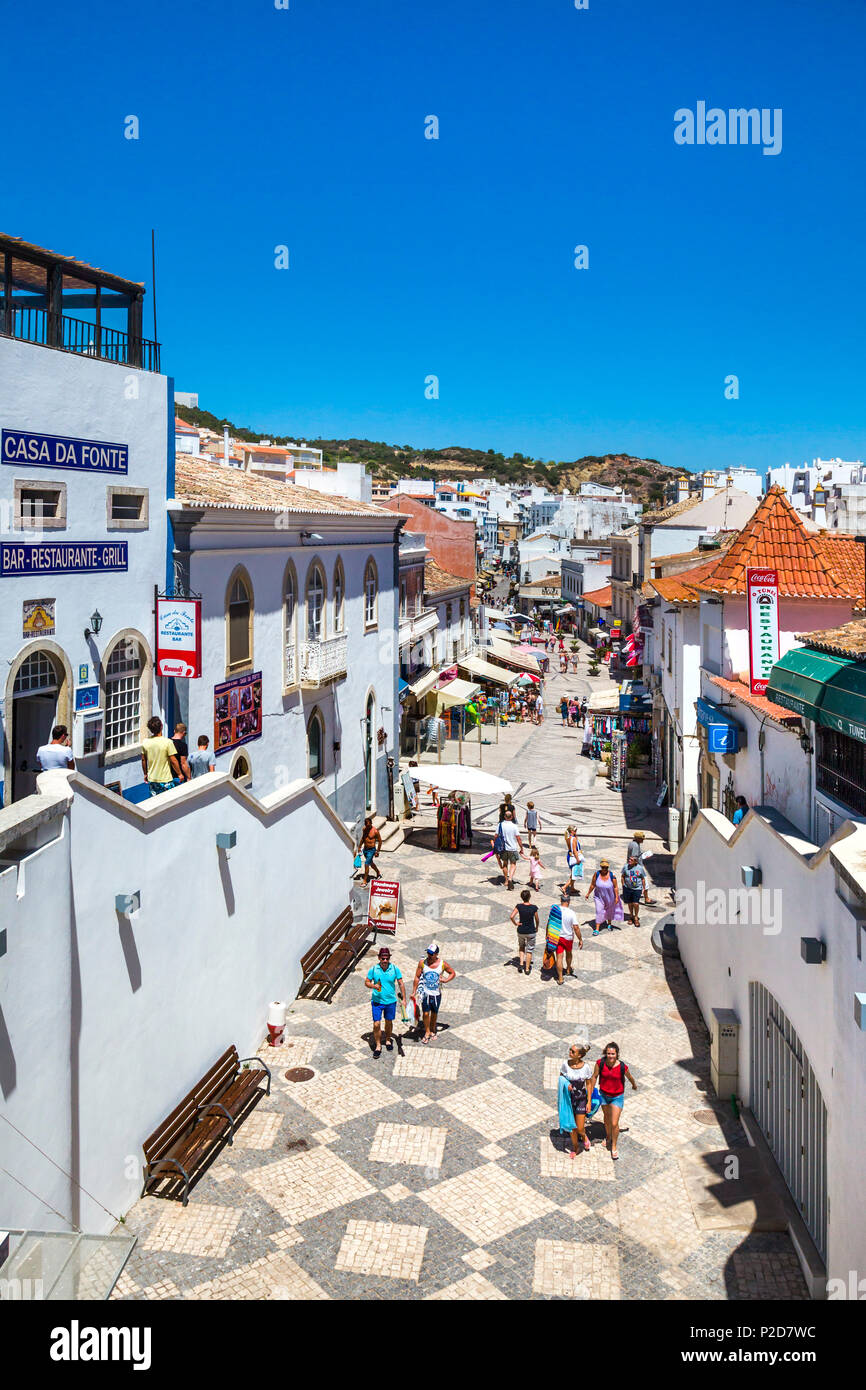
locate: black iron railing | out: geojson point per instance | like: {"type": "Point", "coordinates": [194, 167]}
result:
{"type": "Point", "coordinates": [34, 325]}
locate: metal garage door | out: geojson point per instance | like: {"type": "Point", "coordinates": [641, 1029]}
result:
{"type": "Point", "coordinates": [788, 1105]}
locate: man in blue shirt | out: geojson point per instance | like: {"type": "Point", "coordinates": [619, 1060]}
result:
{"type": "Point", "coordinates": [383, 980]}
{"type": "Point", "coordinates": [742, 808]}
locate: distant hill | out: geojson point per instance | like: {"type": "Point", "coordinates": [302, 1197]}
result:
{"type": "Point", "coordinates": [643, 478]}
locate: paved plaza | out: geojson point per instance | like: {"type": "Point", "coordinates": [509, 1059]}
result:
{"type": "Point", "coordinates": [438, 1172]}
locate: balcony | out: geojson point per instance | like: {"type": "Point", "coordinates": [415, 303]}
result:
{"type": "Point", "coordinates": [323, 661]}
{"type": "Point", "coordinates": [38, 287]}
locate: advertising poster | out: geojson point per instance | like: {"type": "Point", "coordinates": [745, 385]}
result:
{"type": "Point", "coordinates": [763, 602]}
{"type": "Point", "coordinates": [237, 712]}
{"type": "Point", "coordinates": [383, 905]}
{"type": "Point", "coordinates": [37, 618]}
{"type": "Point", "coordinates": [178, 637]}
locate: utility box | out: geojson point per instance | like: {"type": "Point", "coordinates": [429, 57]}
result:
{"type": "Point", "coordinates": [725, 1053]}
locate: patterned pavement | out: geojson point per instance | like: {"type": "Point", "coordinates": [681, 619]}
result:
{"type": "Point", "coordinates": [439, 1172]}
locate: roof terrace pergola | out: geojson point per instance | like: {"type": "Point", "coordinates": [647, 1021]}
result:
{"type": "Point", "coordinates": [39, 287]}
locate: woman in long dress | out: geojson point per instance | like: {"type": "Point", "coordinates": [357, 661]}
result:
{"type": "Point", "coordinates": [606, 894]}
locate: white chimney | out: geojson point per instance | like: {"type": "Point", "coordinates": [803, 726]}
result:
{"type": "Point", "coordinates": [226, 445]}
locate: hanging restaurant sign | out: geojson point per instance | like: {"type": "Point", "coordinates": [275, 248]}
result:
{"type": "Point", "coordinates": [178, 637]}
{"type": "Point", "coordinates": [19, 447]}
{"type": "Point", "coordinates": [763, 605]}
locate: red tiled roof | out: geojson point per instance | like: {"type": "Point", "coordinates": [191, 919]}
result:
{"type": "Point", "coordinates": [200, 483]}
{"type": "Point", "coordinates": [181, 427]}
{"type": "Point", "coordinates": [439, 581]}
{"type": "Point", "coordinates": [846, 555]}
{"type": "Point", "coordinates": [602, 598]}
{"type": "Point", "coordinates": [681, 588]}
{"type": "Point", "coordinates": [757, 702]}
{"type": "Point", "coordinates": [775, 538]}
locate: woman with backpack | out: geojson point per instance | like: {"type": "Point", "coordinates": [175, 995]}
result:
{"type": "Point", "coordinates": [610, 1075]}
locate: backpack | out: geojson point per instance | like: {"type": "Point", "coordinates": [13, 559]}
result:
{"type": "Point", "coordinates": [499, 841]}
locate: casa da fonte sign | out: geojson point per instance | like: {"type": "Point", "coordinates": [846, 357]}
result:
{"type": "Point", "coordinates": [20, 448]}
{"type": "Point", "coordinates": [98, 557]}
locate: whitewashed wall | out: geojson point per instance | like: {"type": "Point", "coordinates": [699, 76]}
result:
{"type": "Point", "coordinates": [817, 999]}
{"type": "Point", "coordinates": [108, 1023]}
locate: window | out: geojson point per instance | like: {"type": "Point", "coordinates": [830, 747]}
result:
{"type": "Point", "coordinates": [239, 623]}
{"type": "Point", "coordinates": [840, 768]}
{"type": "Point", "coordinates": [123, 696]}
{"type": "Point", "coordinates": [371, 587]}
{"type": "Point", "coordinates": [315, 604]}
{"type": "Point", "coordinates": [37, 675]}
{"type": "Point", "coordinates": [339, 597]}
{"type": "Point", "coordinates": [127, 508]}
{"type": "Point", "coordinates": [39, 506]}
{"type": "Point", "coordinates": [290, 604]}
{"type": "Point", "coordinates": [315, 746]}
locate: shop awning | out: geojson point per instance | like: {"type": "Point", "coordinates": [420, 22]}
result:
{"type": "Point", "coordinates": [509, 657]}
{"type": "Point", "coordinates": [402, 687]}
{"type": "Point", "coordinates": [424, 684]}
{"type": "Point", "coordinates": [488, 671]}
{"type": "Point", "coordinates": [456, 693]}
{"type": "Point", "coordinates": [827, 689]}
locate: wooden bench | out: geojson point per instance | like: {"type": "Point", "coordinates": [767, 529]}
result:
{"type": "Point", "coordinates": [336, 950]}
{"type": "Point", "coordinates": [211, 1111]}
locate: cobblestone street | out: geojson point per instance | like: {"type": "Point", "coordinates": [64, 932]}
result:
{"type": "Point", "coordinates": [438, 1172]}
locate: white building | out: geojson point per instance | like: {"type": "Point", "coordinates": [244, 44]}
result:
{"type": "Point", "coordinates": [799, 483]}
{"type": "Point", "coordinates": [299, 633]}
{"type": "Point", "coordinates": [87, 450]}
{"type": "Point", "coordinates": [186, 438]}
{"type": "Point", "coordinates": [779, 973]}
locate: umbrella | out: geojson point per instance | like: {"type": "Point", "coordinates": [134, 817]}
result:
{"type": "Point", "coordinates": [526, 680]}
{"type": "Point", "coordinates": [455, 778]}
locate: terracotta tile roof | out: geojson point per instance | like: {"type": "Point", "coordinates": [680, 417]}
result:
{"type": "Point", "coordinates": [665, 513]}
{"type": "Point", "coordinates": [438, 580]}
{"type": "Point", "coordinates": [682, 587]}
{"type": "Point", "coordinates": [760, 703]}
{"type": "Point", "coordinates": [846, 555]}
{"type": "Point", "coordinates": [775, 538]}
{"type": "Point", "coordinates": [602, 598]}
{"type": "Point", "coordinates": [200, 483]}
{"type": "Point", "coordinates": [848, 640]}
{"type": "Point", "coordinates": [181, 427]}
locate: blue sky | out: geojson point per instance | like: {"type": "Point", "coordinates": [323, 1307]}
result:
{"type": "Point", "coordinates": [410, 257]}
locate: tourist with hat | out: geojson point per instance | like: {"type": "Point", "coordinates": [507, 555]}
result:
{"type": "Point", "coordinates": [430, 975]}
{"type": "Point", "coordinates": [383, 980]}
{"type": "Point", "coordinates": [635, 850]}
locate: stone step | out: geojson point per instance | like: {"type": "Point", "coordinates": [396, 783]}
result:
{"type": "Point", "coordinates": [391, 832]}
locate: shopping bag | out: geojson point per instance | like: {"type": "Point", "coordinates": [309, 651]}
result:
{"type": "Point", "coordinates": [358, 862]}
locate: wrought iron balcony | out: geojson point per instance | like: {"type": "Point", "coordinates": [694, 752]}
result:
{"type": "Point", "coordinates": [323, 661]}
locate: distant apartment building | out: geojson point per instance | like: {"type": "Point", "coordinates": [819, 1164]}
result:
{"type": "Point", "coordinates": [800, 483]}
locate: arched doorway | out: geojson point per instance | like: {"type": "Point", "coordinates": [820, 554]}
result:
{"type": "Point", "coordinates": [36, 692]}
{"type": "Point", "coordinates": [369, 755]}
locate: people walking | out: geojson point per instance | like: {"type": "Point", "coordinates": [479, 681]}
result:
{"type": "Point", "coordinates": [584, 706]}
{"type": "Point", "coordinates": [431, 974]}
{"type": "Point", "coordinates": [524, 915]}
{"type": "Point", "coordinates": [586, 749]}
{"type": "Point", "coordinates": [573, 857]}
{"type": "Point", "coordinates": [563, 709]}
{"type": "Point", "coordinates": [531, 823]}
{"type": "Point", "coordinates": [383, 979]}
{"type": "Point", "coordinates": [57, 753]}
{"type": "Point", "coordinates": [572, 713]}
{"type": "Point", "coordinates": [202, 760]}
{"type": "Point", "coordinates": [636, 848]}
{"type": "Point", "coordinates": [611, 1074]}
{"type": "Point", "coordinates": [574, 1097]}
{"type": "Point", "coordinates": [562, 925]}
{"type": "Point", "coordinates": [535, 867]}
{"type": "Point", "coordinates": [181, 746]}
{"type": "Point", "coordinates": [604, 890]}
{"type": "Point", "coordinates": [159, 760]}
{"type": "Point", "coordinates": [633, 879]}
{"type": "Point", "coordinates": [512, 847]}
{"type": "Point", "coordinates": [370, 845]}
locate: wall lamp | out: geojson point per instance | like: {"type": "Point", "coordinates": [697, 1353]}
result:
{"type": "Point", "coordinates": [127, 903]}
{"type": "Point", "coordinates": [813, 950]}
{"type": "Point", "coordinates": [95, 625]}
{"type": "Point", "coordinates": [805, 742]}
{"type": "Point", "coordinates": [311, 536]}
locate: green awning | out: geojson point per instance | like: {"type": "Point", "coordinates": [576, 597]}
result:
{"type": "Point", "coordinates": [827, 689]}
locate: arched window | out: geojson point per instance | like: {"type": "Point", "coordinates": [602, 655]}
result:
{"type": "Point", "coordinates": [239, 622]}
{"type": "Point", "coordinates": [315, 604]}
{"type": "Point", "coordinates": [315, 745]}
{"type": "Point", "coordinates": [290, 636]}
{"type": "Point", "coordinates": [123, 695]}
{"type": "Point", "coordinates": [339, 597]}
{"type": "Point", "coordinates": [371, 594]}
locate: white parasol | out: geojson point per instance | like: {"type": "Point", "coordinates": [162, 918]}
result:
{"type": "Point", "coordinates": [453, 777]}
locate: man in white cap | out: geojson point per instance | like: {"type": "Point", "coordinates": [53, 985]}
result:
{"type": "Point", "coordinates": [430, 975]}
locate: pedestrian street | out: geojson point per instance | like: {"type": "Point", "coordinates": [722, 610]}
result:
{"type": "Point", "coordinates": [439, 1171]}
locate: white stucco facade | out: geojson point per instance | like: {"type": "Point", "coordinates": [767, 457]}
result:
{"type": "Point", "coordinates": [51, 393]}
